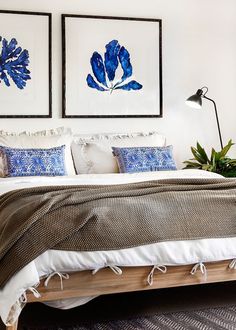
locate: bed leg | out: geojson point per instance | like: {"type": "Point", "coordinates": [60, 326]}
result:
{"type": "Point", "coordinates": [13, 326]}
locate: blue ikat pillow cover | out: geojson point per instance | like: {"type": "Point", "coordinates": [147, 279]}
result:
{"type": "Point", "coordinates": [35, 162]}
{"type": "Point", "coordinates": [144, 159]}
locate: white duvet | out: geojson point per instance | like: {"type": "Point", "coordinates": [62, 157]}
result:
{"type": "Point", "coordinates": [164, 253]}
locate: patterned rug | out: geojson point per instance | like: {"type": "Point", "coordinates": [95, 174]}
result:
{"type": "Point", "coordinates": [207, 319]}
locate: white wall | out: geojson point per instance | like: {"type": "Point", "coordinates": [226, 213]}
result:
{"type": "Point", "coordinates": [199, 48]}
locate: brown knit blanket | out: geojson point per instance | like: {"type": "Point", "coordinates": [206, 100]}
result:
{"type": "Point", "coordinates": [89, 218]}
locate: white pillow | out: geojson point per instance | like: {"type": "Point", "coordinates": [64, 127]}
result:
{"type": "Point", "coordinates": [52, 131]}
{"type": "Point", "coordinates": [95, 154]}
{"type": "Point", "coordinates": [81, 138]}
{"type": "Point", "coordinates": [42, 139]}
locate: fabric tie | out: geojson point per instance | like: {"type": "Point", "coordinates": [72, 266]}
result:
{"type": "Point", "coordinates": [161, 268]}
{"type": "Point", "coordinates": [23, 298]}
{"type": "Point", "coordinates": [114, 268]}
{"type": "Point", "coordinates": [202, 268]}
{"type": "Point", "coordinates": [232, 264]}
{"type": "Point", "coordinates": [34, 291]}
{"type": "Point", "coordinates": [61, 276]}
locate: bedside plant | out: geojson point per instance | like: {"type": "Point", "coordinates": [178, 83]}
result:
{"type": "Point", "coordinates": [218, 162]}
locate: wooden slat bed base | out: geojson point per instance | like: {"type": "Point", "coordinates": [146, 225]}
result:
{"type": "Point", "coordinates": [82, 284]}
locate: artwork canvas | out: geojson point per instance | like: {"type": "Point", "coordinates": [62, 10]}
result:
{"type": "Point", "coordinates": [25, 64]}
{"type": "Point", "coordinates": [112, 67]}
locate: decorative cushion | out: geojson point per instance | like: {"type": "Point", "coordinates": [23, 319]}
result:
{"type": "Point", "coordinates": [35, 162]}
{"type": "Point", "coordinates": [94, 154]}
{"type": "Point", "coordinates": [42, 139]}
{"type": "Point", "coordinates": [144, 159]}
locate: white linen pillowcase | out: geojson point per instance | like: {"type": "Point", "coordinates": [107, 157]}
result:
{"type": "Point", "coordinates": [81, 138]}
{"type": "Point", "coordinates": [42, 139]}
{"type": "Point", "coordinates": [95, 155]}
{"type": "Point", "coordinates": [52, 131]}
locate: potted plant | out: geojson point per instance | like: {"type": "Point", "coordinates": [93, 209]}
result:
{"type": "Point", "coordinates": [218, 162]}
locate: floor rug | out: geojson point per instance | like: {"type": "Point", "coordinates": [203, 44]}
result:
{"type": "Point", "coordinates": [208, 319]}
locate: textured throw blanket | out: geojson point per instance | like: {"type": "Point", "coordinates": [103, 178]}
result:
{"type": "Point", "coordinates": [88, 218]}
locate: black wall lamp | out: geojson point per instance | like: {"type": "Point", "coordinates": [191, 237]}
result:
{"type": "Point", "coordinates": [195, 101]}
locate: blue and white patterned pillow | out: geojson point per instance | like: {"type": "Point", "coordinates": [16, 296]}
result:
{"type": "Point", "coordinates": [35, 162]}
{"type": "Point", "coordinates": [144, 159]}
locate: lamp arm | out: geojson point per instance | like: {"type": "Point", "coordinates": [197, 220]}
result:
{"type": "Point", "coordinates": [217, 119]}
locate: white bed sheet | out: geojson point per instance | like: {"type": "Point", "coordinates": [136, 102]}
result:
{"type": "Point", "coordinates": [8, 184]}
{"type": "Point", "coordinates": [164, 253]}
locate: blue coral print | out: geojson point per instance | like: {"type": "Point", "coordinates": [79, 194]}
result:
{"type": "Point", "coordinates": [104, 70]}
{"type": "Point", "coordinates": [13, 63]}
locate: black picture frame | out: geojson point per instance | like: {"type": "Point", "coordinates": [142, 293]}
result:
{"type": "Point", "coordinates": [65, 111]}
{"type": "Point", "coordinates": [48, 73]}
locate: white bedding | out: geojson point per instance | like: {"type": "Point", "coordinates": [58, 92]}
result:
{"type": "Point", "coordinates": [164, 253]}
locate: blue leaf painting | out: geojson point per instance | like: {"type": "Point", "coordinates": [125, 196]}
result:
{"type": "Point", "coordinates": [104, 71]}
{"type": "Point", "coordinates": [132, 85]}
{"type": "Point", "coordinates": [111, 58]}
{"type": "Point", "coordinates": [124, 58]}
{"type": "Point", "coordinates": [92, 83]}
{"type": "Point", "coordinates": [3, 77]}
{"type": "Point", "coordinates": [98, 68]}
{"type": "Point", "coordinates": [13, 63]}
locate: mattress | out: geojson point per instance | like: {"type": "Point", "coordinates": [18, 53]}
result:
{"type": "Point", "coordinates": [164, 253]}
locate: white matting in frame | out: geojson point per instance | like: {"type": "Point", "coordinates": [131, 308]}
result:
{"type": "Point", "coordinates": [112, 67]}
{"type": "Point", "coordinates": [25, 64]}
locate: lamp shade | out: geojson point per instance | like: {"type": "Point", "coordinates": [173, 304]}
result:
{"type": "Point", "coordinates": [195, 101]}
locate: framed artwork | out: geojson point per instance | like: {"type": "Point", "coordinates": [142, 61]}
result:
{"type": "Point", "coordinates": [25, 64]}
{"type": "Point", "coordinates": [112, 67]}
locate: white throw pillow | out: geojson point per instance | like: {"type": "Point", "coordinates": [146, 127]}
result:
{"type": "Point", "coordinates": [49, 132]}
{"type": "Point", "coordinates": [42, 139]}
{"type": "Point", "coordinates": [81, 138]}
{"type": "Point", "coordinates": [94, 155]}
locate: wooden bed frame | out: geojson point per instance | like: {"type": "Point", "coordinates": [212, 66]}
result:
{"type": "Point", "coordinates": [82, 284]}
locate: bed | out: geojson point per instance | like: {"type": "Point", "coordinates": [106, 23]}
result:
{"type": "Point", "coordinates": [65, 279]}
{"type": "Point", "coordinates": [65, 276]}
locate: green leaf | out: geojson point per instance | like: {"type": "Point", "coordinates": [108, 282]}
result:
{"type": "Point", "coordinates": [208, 167]}
{"type": "Point", "coordinates": [202, 152]}
{"type": "Point", "coordinates": [231, 161]}
{"type": "Point", "coordinates": [191, 164]}
{"type": "Point", "coordinates": [213, 152]}
{"type": "Point", "coordinates": [225, 150]}
{"type": "Point", "coordinates": [197, 155]}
